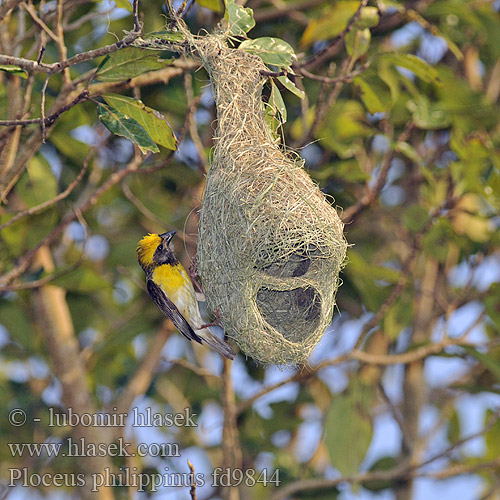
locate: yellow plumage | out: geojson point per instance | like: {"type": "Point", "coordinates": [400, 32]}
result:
{"type": "Point", "coordinates": [146, 249]}
{"type": "Point", "coordinates": [173, 280]}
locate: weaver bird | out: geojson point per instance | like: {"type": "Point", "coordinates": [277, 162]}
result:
{"type": "Point", "coordinates": [170, 287]}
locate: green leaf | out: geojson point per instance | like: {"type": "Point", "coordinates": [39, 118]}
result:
{"type": "Point", "coordinates": [276, 101]}
{"type": "Point", "coordinates": [124, 4]}
{"type": "Point", "coordinates": [492, 436]}
{"type": "Point", "coordinates": [417, 66]}
{"type": "Point", "coordinates": [415, 218]}
{"type": "Point", "coordinates": [492, 303]}
{"type": "Point", "coordinates": [331, 22]}
{"type": "Point", "coordinates": [409, 151]}
{"type": "Point", "coordinates": [368, 18]}
{"type": "Point", "coordinates": [487, 360]}
{"type": "Point", "coordinates": [127, 63]}
{"type": "Point", "coordinates": [14, 70]}
{"type": "Point", "coordinates": [38, 184]}
{"type": "Point", "coordinates": [239, 19]}
{"type": "Point", "coordinates": [349, 428]}
{"type": "Point", "coordinates": [390, 76]}
{"type": "Point", "coordinates": [83, 279]}
{"type": "Point", "coordinates": [16, 320]}
{"type": "Point", "coordinates": [343, 128]}
{"type": "Point", "coordinates": [382, 464]}
{"type": "Point", "coordinates": [375, 94]}
{"type": "Point", "coordinates": [428, 116]}
{"type": "Point", "coordinates": [151, 120]}
{"type": "Point", "coordinates": [271, 119]}
{"type": "Point", "coordinates": [453, 431]}
{"type": "Point", "coordinates": [289, 85]}
{"type": "Point", "coordinates": [383, 5]}
{"type": "Point", "coordinates": [348, 170]}
{"type": "Point", "coordinates": [273, 51]}
{"type": "Point", "coordinates": [357, 43]}
{"type": "Point", "coordinates": [214, 5]}
{"type": "Point", "coordinates": [120, 124]}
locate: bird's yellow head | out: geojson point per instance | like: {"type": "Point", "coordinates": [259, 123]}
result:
{"type": "Point", "coordinates": [155, 249]}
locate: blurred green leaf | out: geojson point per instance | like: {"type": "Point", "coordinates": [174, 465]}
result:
{"type": "Point", "coordinates": [124, 4]}
{"type": "Point", "coordinates": [492, 303]}
{"type": "Point", "coordinates": [331, 22]}
{"type": "Point", "coordinates": [428, 116]}
{"type": "Point", "coordinates": [415, 218]}
{"type": "Point", "coordinates": [214, 5]}
{"type": "Point", "coordinates": [348, 170]}
{"type": "Point", "coordinates": [368, 18]}
{"type": "Point", "coordinates": [127, 63]}
{"type": "Point", "coordinates": [382, 464]}
{"type": "Point", "coordinates": [14, 70]}
{"type": "Point", "coordinates": [490, 362]}
{"type": "Point", "coordinates": [82, 279]}
{"type": "Point", "coordinates": [375, 94]}
{"type": "Point", "coordinates": [272, 51]}
{"type": "Point", "coordinates": [349, 428]}
{"type": "Point", "coordinates": [239, 19]}
{"type": "Point", "coordinates": [410, 152]}
{"type": "Point", "coordinates": [13, 317]}
{"type": "Point", "coordinates": [417, 66]}
{"type": "Point", "coordinates": [151, 120]}
{"type": "Point", "coordinates": [453, 431]}
{"type": "Point", "coordinates": [357, 43]}
{"type": "Point", "coordinates": [492, 435]}
{"type": "Point", "coordinates": [38, 184]}
{"type": "Point", "coordinates": [68, 145]}
{"type": "Point", "coordinates": [343, 128]}
{"type": "Point", "coordinates": [121, 124]}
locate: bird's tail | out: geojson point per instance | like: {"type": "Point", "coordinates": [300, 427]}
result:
{"type": "Point", "coordinates": [219, 345]}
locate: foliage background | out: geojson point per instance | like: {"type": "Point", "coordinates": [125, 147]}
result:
{"type": "Point", "coordinates": [400, 399]}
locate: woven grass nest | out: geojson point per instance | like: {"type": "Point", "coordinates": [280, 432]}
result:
{"type": "Point", "coordinates": [270, 245]}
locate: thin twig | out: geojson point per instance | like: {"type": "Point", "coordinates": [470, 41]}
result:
{"type": "Point", "coordinates": [40, 54]}
{"type": "Point", "coordinates": [343, 78]}
{"type": "Point", "coordinates": [63, 51]}
{"type": "Point", "coordinates": [30, 9]}
{"type": "Point", "coordinates": [48, 120]}
{"type": "Point", "coordinates": [371, 193]}
{"type": "Point", "coordinates": [57, 67]}
{"type": "Point", "coordinates": [137, 22]}
{"type": "Point", "coordinates": [231, 450]}
{"type": "Point", "coordinates": [42, 108]}
{"type": "Point", "coordinates": [192, 490]}
{"type": "Point", "coordinates": [139, 205]}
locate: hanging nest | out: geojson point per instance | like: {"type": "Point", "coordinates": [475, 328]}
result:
{"type": "Point", "coordinates": [270, 246]}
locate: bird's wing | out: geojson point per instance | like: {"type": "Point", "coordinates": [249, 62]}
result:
{"type": "Point", "coordinates": [169, 309]}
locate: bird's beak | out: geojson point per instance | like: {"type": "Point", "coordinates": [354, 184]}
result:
{"type": "Point", "coordinates": [167, 236]}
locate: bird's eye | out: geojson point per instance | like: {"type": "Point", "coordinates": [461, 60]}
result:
{"type": "Point", "coordinates": [160, 247]}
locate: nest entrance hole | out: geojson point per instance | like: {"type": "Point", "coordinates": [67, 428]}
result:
{"type": "Point", "coordinates": [294, 313]}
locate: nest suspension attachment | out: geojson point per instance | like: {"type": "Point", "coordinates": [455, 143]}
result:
{"type": "Point", "coordinates": [270, 245]}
